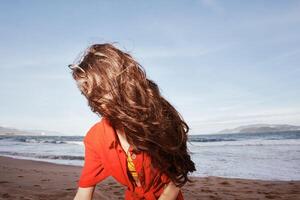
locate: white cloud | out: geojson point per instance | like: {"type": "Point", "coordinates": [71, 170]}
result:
{"type": "Point", "coordinates": [214, 123]}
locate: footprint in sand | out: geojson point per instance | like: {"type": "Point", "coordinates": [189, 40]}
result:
{"type": "Point", "coordinates": [206, 190]}
{"type": "Point", "coordinates": [191, 184]}
{"type": "Point", "coordinates": [117, 193]}
{"type": "Point", "coordinates": [268, 184]}
{"type": "Point", "coordinates": [3, 182]}
{"type": "Point", "coordinates": [214, 197]}
{"type": "Point", "coordinates": [225, 183]}
{"type": "Point", "coordinates": [269, 196]}
{"type": "Point", "coordinates": [5, 195]}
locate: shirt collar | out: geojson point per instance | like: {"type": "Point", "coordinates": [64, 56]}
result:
{"type": "Point", "coordinates": [113, 137]}
{"type": "Point", "coordinates": [113, 143]}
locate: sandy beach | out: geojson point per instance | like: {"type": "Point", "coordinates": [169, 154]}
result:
{"type": "Point", "coordinates": [26, 179]}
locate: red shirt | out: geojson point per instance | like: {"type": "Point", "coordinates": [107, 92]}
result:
{"type": "Point", "coordinates": [105, 157]}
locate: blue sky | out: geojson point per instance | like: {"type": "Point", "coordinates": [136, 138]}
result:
{"type": "Point", "coordinates": [222, 64]}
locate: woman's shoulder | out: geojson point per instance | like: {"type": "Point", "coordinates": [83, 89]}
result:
{"type": "Point", "coordinates": [100, 137]}
{"type": "Point", "coordinates": [95, 132]}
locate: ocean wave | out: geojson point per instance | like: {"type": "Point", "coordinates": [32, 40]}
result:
{"type": "Point", "coordinates": [51, 157]}
{"type": "Point", "coordinates": [252, 142]}
{"type": "Point", "coordinates": [75, 142]}
{"type": "Point", "coordinates": [33, 140]}
{"type": "Point", "coordinates": [210, 139]}
{"type": "Point", "coordinates": [44, 139]}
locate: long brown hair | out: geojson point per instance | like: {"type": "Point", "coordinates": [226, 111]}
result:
{"type": "Point", "coordinates": [117, 88]}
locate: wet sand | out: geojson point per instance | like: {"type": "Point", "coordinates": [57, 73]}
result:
{"type": "Point", "coordinates": [26, 179]}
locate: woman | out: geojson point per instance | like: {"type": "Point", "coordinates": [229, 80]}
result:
{"type": "Point", "coordinates": [140, 139]}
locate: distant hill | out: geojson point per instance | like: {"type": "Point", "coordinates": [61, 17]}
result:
{"type": "Point", "coordinates": [13, 131]}
{"type": "Point", "coordinates": [262, 128]}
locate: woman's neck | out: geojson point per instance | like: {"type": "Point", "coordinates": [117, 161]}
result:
{"type": "Point", "coordinates": [123, 140]}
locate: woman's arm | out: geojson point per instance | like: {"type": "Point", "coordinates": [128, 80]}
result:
{"type": "Point", "coordinates": [84, 193]}
{"type": "Point", "coordinates": [170, 192]}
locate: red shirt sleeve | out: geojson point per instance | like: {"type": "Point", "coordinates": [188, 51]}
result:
{"type": "Point", "coordinates": [93, 170]}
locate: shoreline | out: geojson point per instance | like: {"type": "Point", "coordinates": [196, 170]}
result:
{"type": "Point", "coordinates": [30, 179]}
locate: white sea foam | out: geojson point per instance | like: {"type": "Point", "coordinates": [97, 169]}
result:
{"type": "Point", "coordinates": [250, 142]}
{"type": "Point", "coordinates": [75, 142]}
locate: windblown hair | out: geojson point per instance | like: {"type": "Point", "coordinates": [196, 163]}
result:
{"type": "Point", "coordinates": [117, 88]}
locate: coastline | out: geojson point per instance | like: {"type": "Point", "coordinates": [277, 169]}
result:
{"type": "Point", "coordinates": [27, 179]}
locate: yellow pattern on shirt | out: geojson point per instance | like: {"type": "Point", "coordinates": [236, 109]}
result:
{"type": "Point", "coordinates": [131, 167]}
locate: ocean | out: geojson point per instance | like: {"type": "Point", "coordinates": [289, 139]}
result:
{"type": "Point", "coordinates": [264, 156]}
